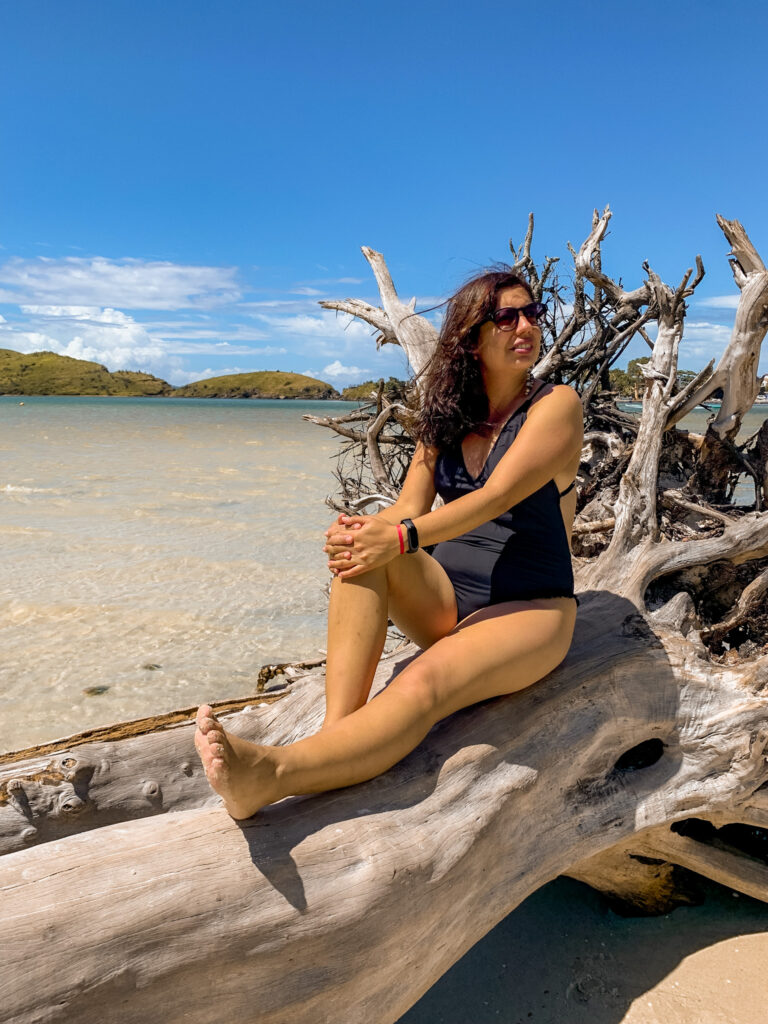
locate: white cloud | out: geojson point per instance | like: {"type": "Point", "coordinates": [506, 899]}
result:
{"type": "Point", "coordinates": [335, 280]}
{"type": "Point", "coordinates": [225, 333]}
{"type": "Point", "coordinates": [129, 283]}
{"type": "Point", "coordinates": [702, 341]}
{"type": "Point", "coordinates": [75, 312]}
{"type": "Point", "coordinates": [327, 325]}
{"type": "Point", "coordinates": [279, 306]}
{"type": "Point", "coordinates": [337, 370]}
{"type": "Point", "coordinates": [106, 336]}
{"type": "Point", "coordinates": [221, 348]}
{"type": "Point", "coordinates": [720, 301]}
{"type": "Point", "coordinates": [189, 376]}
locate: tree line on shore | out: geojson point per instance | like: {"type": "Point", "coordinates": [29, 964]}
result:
{"type": "Point", "coordinates": [47, 373]}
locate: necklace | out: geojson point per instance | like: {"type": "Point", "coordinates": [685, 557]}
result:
{"type": "Point", "coordinates": [526, 390]}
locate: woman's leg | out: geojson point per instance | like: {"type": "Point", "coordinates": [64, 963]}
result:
{"type": "Point", "coordinates": [414, 591]}
{"type": "Point", "coordinates": [495, 651]}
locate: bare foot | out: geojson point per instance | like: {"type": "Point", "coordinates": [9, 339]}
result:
{"type": "Point", "coordinates": [242, 773]}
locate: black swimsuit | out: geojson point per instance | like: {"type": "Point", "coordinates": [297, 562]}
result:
{"type": "Point", "coordinates": [522, 554]}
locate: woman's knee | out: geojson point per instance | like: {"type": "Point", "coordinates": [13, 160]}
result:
{"type": "Point", "coordinates": [420, 684]}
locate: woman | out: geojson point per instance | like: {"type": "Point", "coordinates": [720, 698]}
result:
{"type": "Point", "coordinates": [492, 607]}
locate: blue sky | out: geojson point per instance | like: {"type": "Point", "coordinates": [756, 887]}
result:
{"type": "Point", "coordinates": [182, 181]}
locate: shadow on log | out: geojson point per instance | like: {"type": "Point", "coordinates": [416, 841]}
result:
{"type": "Point", "coordinates": [151, 912]}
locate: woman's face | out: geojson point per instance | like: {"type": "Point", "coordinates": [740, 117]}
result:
{"type": "Point", "coordinates": [500, 352]}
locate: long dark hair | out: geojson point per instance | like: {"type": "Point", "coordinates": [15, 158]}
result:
{"type": "Point", "coordinates": [454, 402]}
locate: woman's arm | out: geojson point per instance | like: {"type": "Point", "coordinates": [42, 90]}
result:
{"type": "Point", "coordinates": [548, 441]}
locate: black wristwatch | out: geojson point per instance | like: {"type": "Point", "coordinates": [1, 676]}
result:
{"type": "Point", "coordinates": [412, 534]}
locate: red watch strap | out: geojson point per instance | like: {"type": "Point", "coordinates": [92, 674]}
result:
{"type": "Point", "coordinates": [402, 542]}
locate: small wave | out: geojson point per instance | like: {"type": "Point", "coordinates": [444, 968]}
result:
{"type": "Point", "coordinates": [25, 529]}
{"type": "Point", "coordinates": [17, 489]}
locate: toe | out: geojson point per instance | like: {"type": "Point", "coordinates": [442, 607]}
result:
{"type": "Point", "coordinates": [205, 711]}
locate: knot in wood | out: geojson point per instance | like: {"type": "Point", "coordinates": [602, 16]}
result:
{"type": "Point", "coordinates": [268, 672]}
{"type": "Point", "coordinates": [28, 834]}
{"type": "Point", "coordinates": [70, 768]}
{"type": "Point", "coordinates": [71, 804]}
{"type": "Point", "coordinates": [15, 786]}
{"type": "Point", "coordinates": [151, 789]}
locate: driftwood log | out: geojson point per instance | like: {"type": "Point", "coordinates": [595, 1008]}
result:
{"type": "Point", "coordinates": [128, 894]}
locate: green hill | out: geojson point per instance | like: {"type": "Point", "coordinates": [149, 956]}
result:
{"type": "Point", "coordinates": [394, 389]}
{"type": "Point", "coordinates": [45, 373]}
{"type": "Point", "coordinates": [262, 384]}
{"type": "Point", "coordinates": [360, 392]}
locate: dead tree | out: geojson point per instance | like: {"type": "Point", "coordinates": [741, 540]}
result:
{"type": "Point", "coordinates": [128, 894]}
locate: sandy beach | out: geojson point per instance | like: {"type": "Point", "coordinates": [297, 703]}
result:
{"type": "Point", "coordinates": [563, 957]}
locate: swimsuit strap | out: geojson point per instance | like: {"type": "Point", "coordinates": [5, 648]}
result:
{"type": "Point", "coordinates": [528, 400]}
{"type": "Point", "coordinates": [568, 489]}
{"type": "Point", "coordinates": [523, 407]}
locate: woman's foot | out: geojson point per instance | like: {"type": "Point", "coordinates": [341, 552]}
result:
{"type": "Point", "coordinates": [242, 773]}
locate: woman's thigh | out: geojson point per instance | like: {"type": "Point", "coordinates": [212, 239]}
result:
{"type": "Point", "coordinates": [422, 602]}
{"type": "Point", "coordinates": [494, 651]}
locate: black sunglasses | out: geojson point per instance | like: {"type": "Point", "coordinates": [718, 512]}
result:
{"type": "Point", "coordinates": [506, 318]}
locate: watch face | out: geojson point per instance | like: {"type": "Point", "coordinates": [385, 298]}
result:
{"type": "Point", "coordinates": [412, 534]}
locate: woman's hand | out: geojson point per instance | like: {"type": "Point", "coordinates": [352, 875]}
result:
{"type": "Point", "coordinates": [357, 544]}
{"type": "Point", "coordinates": [338, 543]}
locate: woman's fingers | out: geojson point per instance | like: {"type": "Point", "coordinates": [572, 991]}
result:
{"type": "Point", "coordinates": [356, 570]}
{"type": "Point", "coordinates": [339, 543]}
{"type": "Point", "coordinates": [353, 522]}
{"type": "Point", "coordinates": [343, 558]}
{"type": "Point", "coordinates": [340, 527]}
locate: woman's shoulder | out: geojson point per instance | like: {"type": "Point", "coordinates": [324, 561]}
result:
{"type": "Point", "coordinates": [559, 396]}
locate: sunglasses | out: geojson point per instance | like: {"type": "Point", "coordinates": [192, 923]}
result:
{"type": "Point", "coordinates": [507, 317]}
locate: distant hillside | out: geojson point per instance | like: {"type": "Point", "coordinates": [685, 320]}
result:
{"type": "Point", "coordinates": [360, 392]}
{"type": "Point", "coordinates": [45, 373]}
{"type": "Point", "coordinates": [394, 389]}
{"type": "Point", "coordinates": [262, 384]}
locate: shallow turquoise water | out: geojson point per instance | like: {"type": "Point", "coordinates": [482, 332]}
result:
{"type": "Point", "coordinates": [181, 533]}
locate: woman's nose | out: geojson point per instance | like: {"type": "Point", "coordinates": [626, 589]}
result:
{"type": "Point", "coordinates": [524, 325]}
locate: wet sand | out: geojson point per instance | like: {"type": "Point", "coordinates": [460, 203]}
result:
{"type": "Point", "coordinates": [563, 957]}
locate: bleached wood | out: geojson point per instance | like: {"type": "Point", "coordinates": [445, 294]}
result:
{"type": "Point", "coordinates": [588, 264]}
{"type": "Point", "coordinates": [736, 372]}
{"type": "Point", "coordinates": [374, 452]}
{"type": "Point", "coordinates": [303, 913]}
{"type": "Point", "coordinates": [395, 320]}
{"type": "Point", "coordinates": [751, 600]}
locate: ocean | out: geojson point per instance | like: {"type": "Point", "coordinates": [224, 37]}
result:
{"type": "Point", "coordinates": [157, 552]}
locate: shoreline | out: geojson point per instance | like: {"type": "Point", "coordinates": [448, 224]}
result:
{"type": "Point", "coordinates": [706, 406]}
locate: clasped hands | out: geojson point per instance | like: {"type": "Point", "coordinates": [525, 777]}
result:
{"type": "Point", "coordinates": [357, 544]}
